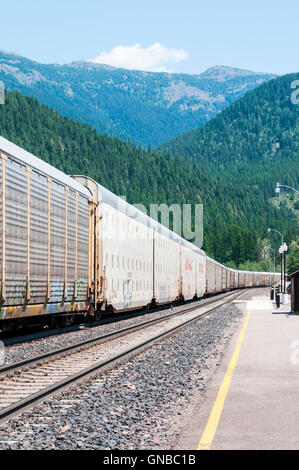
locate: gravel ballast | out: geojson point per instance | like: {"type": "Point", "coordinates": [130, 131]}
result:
{"type": "Point", "coordinates": [138, 405]}
{"type": "Point", "coordinates": [38, 343]}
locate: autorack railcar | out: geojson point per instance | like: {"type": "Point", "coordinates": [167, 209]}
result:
{"type": "Point", "coordinates": [69, 246]}
{"type": "Point", "coordinates": [44, 238]}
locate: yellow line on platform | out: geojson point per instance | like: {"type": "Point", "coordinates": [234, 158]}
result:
{"type": "Point", "coordinates": [208, 435]}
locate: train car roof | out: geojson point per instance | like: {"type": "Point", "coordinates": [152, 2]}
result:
{"type": "Point", "coordinates": [217, 262]}
{"type": "Point", "coordinates": [131, 211]}
{"type": "Point", "coordinates": [36, 163]}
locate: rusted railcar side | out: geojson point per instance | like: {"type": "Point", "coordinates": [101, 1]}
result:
{"type": "Point", "coordinates": [44, 251]}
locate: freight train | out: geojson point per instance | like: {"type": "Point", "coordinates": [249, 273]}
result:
{"type": "Point", "coordinates": [70, 247]}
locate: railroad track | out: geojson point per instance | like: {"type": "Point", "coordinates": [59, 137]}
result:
{"type": "Point", "coordinates": [32, 380]}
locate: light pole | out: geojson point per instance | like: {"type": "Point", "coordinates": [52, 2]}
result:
{"type": "Point", "coordinates": [278, 186]}
{"type": "Point", "coordinates": [273, 230]}
{"type": "Point", "coordinates": [282, 250]}
{"type": "Point", "coordinates": [268, 248]}
{"type": "Point", "coordinates": [265, 251]}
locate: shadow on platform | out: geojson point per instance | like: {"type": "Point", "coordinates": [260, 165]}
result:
{"type": "Point", "coordinates": [285, 313]}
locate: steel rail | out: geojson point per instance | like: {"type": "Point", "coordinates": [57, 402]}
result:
{"type": "Point", "coordinates": [12, 367]}
{"type": "Point", "coordinates": [9, 411]}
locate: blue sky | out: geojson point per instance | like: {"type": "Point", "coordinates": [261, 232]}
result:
{"type": "Point", "coordinates": [183, 36]}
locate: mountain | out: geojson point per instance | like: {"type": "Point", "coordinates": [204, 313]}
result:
{"type": "Point", "coordinates": [144, 107]}
{"type": "Point", "coordinates": [260, 127]}
{"type": "Point", "coordinates": [255, 138]}
{"type": "Point", "coordinates": [234, 218]}
{"type": "Point", "coordinates": [251, 145]}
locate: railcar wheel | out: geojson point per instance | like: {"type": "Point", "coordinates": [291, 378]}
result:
{"type": "Point", "coordinates": [57, 322]}
{"type": "Point", "coordinates": [98, 315]}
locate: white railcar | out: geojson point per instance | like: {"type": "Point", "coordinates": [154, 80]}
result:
{"type": "Point", "coordinates": [248, 279]}
{"type": "Point", "coordinates": [139, 260]}
{"type": "Point", "coordinates": [166, 266]}
{"type": "Point", "coordinates": [125, 260]}
{"type": "Point", "coordinates": [224, 269]}
{"type": "Point", "coordinates": [193, 268]}
{"type": "Point", "coordinates": [210, 275]}
{"type": "Point", "coordinates": [218, 277]}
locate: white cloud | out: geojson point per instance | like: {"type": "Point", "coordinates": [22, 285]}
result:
{"type": "Point", "coordinates": [155, 58]}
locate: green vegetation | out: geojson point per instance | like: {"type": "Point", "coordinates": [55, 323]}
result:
{"type": "Point", "coordinates": [234, 217]}
{"type": "Point", "coordinates": [287, 198]}
{"type": "Point", "coordinates": [251, 145]}
{"type": "Point", "coordinates": [293, 256]}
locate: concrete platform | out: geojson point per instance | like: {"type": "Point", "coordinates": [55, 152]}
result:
{"type": "Point", "coordinates": [252, 401]}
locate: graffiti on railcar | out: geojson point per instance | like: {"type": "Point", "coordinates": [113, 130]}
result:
{"type": "Point", "coordinates": [188, 265]}
{"type": "Point", "coordinates": [52, 308]}
{"type": "Point", "coordinates": [163, 294]}
{"type": "Point", "coordinates": [56, 290]}
{"type": "Point", "coordinates": [14, 291]}
{"type": "Point", "coordinates": [127, 290]}
{"type": "Point", "coordinates": [80, 288]}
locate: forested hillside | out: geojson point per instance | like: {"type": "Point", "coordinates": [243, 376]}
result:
{"type": "Point", "coordinates": [144, 107]}
{"type": "Point", "coordinates": [251, 145]}
{"type": "Point", "coordinates": [234, 217]}
{"type": "Point", "coordinates": [254, 140]}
